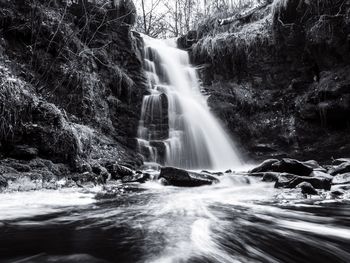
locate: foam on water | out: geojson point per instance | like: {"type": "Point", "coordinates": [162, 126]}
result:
{"type": "Point", "coordinates": [28, 204]}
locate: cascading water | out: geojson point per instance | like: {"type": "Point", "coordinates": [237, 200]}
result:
{"type": "Point", "coordinates": [176, 126]}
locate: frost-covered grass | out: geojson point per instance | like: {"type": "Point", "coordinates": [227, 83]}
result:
{"type": "Point", "coordinates": [240, 43]}
{"type": "Point", "coordinates": [15, 103]}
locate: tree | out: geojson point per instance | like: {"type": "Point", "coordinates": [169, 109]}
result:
{"type": "Point", "coordinates": [150, 20]}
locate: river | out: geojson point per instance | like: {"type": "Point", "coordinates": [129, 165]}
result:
{"type": "Point", "coordinates": [237, 220]}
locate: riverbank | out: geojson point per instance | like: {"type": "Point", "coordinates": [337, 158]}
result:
{"type": "Point", "coordinates": [308, 178]}
{"type": "Point", "coordinates": [71, 87]}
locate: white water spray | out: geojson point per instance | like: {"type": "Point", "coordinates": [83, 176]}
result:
{"type": "Point", "coordinates": [176, 126]}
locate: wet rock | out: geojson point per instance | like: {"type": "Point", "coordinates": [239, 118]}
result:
{"type": "Point", "coordinates": [24, 152]}
{"type": "Point", "coordinates": [228, 171]}
{"type": "Point", "coordinates": [163, 181]}
{"type": "Point", "coordinates": [291, 181]}
{"type": "Point", "coordinates": [341, 179]}
{"type": "Point", "coordinates": [118, 171]}
{"type": "Point", "coordinates": [292, 166]}
{"type": "Point", "coordinates": [340, 169]}
{"type": "Point", "coordinates": [87, 178]}
{"type": "Point", "coordinates": [137, 178]}
{"type": "Point", "coordinates": [270, 176]}
{"type": "Point", "coordinates": [340, 161]}
{"type": "Point", "coordinates": [284, 180]}
{"type": "Point", "coordinates": [178, 177]}
{"type": "Point", "coordinates": [100, 170]}
{"type": "Point", "coordinates": [82, 166]}
{"type": "Point", "coordinates": [321, 174]}
{"type": "Point", "coordinates": [337, 193]}
{"type": "Point", "coordinates": [265, 166]}
{"type": "Point", "coordinates": [307, 188]}
{"type": "Point", "coordinates": [314, 165]}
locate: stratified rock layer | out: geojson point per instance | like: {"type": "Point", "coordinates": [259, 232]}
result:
{"type": "Point", "coordinates": [279, 80]}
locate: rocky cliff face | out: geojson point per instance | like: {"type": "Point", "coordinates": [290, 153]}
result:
{"type": "Point", "coordinates": [279, 77]}
{"type": "Point", "coordinates": [71, 82]}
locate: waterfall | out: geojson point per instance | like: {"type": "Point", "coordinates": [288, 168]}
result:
{"type": "Point", "coordinates": [176, 126]}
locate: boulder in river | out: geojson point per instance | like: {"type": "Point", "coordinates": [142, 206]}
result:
{"type": "Point", "coordinates": [292, 181]}
{"type": "Point", "coordinates": [118, 171]}
{"type": "Point", "coordinates": [315, 166]}
{"type": "Point", "coordinates": [340, 161]}
{"type": "Point", "coordinates": [292, 166]}
{"type": "Point", "coordinates": [179, 177]}
{"type": "Point", "coordinates": [270, 176]}
{"type": "Point", "coordinates": [307, 188]}
{"type": "Point", "coordinates": [265, 166]}
{"type": "Point", "coordinates": [340, 169]}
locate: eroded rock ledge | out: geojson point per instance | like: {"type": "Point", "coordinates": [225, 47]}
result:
{"type": "Point", "coordinates": [279, 80]}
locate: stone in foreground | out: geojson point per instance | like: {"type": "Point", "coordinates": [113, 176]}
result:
{"type": "Point", "coordinates": [307, 188]}
{"type": "Point", "coordinates": [265, 166]}
{"type": "Point", "coordinates": [341, 169]}
{"type": "Point", "coordinates": [179, 177]}
{"type": "Point", "coordinates": [292, 166]}
{"type": "Point", "coordinates": [292, 181]}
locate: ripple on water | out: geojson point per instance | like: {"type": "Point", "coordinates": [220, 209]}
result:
{"type": "Point", "coordinates": [228, 222]}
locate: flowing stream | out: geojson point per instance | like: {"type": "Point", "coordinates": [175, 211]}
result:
{"type": "Point", "coordinates": [176, 126]}
{"type": "Point", "coordinates": [232, 221]}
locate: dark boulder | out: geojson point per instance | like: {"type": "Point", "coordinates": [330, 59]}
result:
{"type": "Point", "coordinates": [341, 179]}
{"type": "Point", "coordinates": [163, 181]}
{"type": "Point", "coordinates": [307, 188]}
{"type": "Point", "coordinates": [292, 166]}
{"type": "Point", "coordinates": [292, 181]}
{"type": "Point", "coordinates": [284, 180]}
{"type": "Point", "coordinates": [314, 165]}
{"type": "Point", "coordinates": [24, 152]}
{"type": "Point", "coordinates": [270, 176]}
{"type": "Point", "coordinates": [100, 170]}
{"type": "Point", "coordinates": [118, 171]}
{"type": "Point", "coordinates": [179, 177]}
{"type": "Point", "coordinates": [337, 193]}
{"type": "Point", "coordinates": [265, 166]}
{"type": "Point", "coordinates": [340, 169]}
